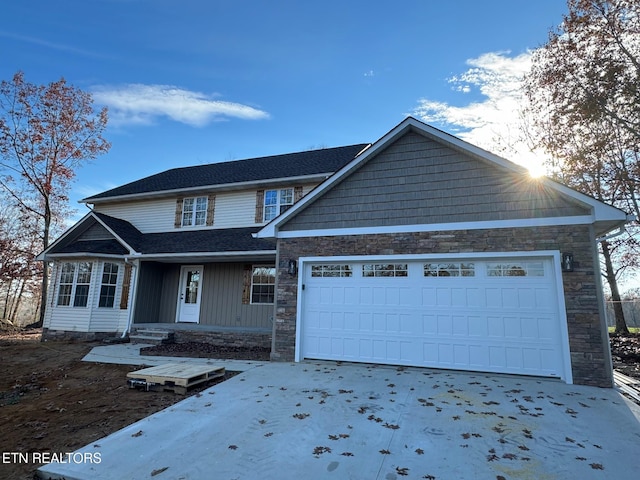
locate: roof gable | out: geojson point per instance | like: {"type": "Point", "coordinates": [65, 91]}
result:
{"type": "Point", "coordinates": [418, 175]}
{"type": "Point", "coordinates": [302, 164]}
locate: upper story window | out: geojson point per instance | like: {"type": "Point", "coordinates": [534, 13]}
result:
{"type": "Point", "coordinates": [277, 202]}
{"type": "Point", "coordinates": [75, 279]}
{"type": "Point", "coordinates": [194, 211]}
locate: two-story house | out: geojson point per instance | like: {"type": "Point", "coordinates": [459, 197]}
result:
{"type": "Point", "coordinates": [178, 248]}
{"type": "Point", "coordinates": [419, 249]}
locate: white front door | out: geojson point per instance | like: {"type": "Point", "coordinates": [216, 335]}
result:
{"type": "Point", "coordinates": [189, 294]}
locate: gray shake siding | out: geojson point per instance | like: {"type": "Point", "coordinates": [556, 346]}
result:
{"type": "Point", "coordinates": [590, 359]}
{"type": "Point", "coordinates": [221, 303]}
{"type": "Point", "coordinates": [417, 180]}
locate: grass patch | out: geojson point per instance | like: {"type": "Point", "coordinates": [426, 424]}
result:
{"type": "Point", "coordinates": [631, 330]}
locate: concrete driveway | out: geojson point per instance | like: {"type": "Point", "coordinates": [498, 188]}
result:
{"type": "Point", "coordinates": [325, 420]}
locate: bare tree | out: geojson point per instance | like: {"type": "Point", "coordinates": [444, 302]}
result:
{"type": "Point", "coordinates": [585, 102]}
{"type": "Point", "coordinates": [46, 133]}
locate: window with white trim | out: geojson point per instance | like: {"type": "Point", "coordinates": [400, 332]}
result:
{"type": "Point", "coordinates": [263, 284]}
{"type": "Point", "coordinates": [515, 269]}
{"type": "Point", "coordinates": [194, 211]}
{"type": "Point", "coordinates": [385, 270]}
{"type": "Point", "coordinates": [75, 280]}
{"type": "Point", "coordinates": [277, 202]}
{"type": "Point", "coordinates": [108, 285]}
{"type": "Point", "coordinates": [331, 271]}
{"type": "Point", "coordinates": [455, 269]}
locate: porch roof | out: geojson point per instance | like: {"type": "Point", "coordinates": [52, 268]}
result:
{"type": "Point", "coordinates": [129, 241]}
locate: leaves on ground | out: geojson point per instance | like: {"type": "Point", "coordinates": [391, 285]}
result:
{"type": "Point", "coordinates": [321, 450]}
{"type": "Point", "coordinates": [402, 471]}
{"type": "Point", "coordinates": [158, 471]}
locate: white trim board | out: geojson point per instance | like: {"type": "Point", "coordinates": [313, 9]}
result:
{"type": "Point", "coordinates": [438, 227]}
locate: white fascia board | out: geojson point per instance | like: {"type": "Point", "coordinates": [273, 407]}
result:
{"type": "Point", "coordinates": [434, 256]}
{"type": "Point", "coordinates": [208, 188]}
{"type": "Point", "coordinates": [439, 227]}
{"type": "Point", "coordinates": [63, 256]}
{"type": "Point", "coordinates": [149, 256]}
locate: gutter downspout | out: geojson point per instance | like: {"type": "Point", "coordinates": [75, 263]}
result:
{"type": "Point", "coordinates": [132, 294]}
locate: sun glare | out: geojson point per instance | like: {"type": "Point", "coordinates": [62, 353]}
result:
{"type": "Point", "coordinates": [536, 171]}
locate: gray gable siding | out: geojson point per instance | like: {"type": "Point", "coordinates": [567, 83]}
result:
{"type": "Point", "coordinates": [419, 181]}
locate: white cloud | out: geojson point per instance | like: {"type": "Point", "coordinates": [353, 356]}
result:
{"type": "Point", "coordinates": [143, 104]}
{"type": "Point", "coordinates": [493, 121]}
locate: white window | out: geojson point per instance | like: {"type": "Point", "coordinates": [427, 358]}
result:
{"type": "Point", "coordinates": [75, 279]}
{"type": "Point", "coordinates": [108, 285]}
{"type": "Point", "coordinates": [277, 202]}
{"type": "Point", "coordinates": [449, 270]}
{"type": "Point", "coordinates": [194, 211]}
{"type": "Point", "coordinates": [515, 269]}
{"type": "Point", "coordinates": [263, 283]}
{"type": "Point", "coordinates": [331, 271]}
{"type": "Point", "coordinates": [385, 270]}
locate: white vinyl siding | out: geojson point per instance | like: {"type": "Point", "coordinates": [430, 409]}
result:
{"type": "Point", "coordinates": [148, 216]}
{"type": "Point", "coordinates": [233, 210]}
{"type": "Point", "coordinates": [90, 318]}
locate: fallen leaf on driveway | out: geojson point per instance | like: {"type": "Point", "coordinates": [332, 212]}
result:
{"type": "Point", "coordinates": [158, 471]}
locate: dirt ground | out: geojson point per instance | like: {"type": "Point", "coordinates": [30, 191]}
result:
{"type": "Point", "coordinates": [51, 401]}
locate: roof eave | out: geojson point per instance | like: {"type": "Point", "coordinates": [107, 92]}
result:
{"type": "Point", "coordinates": [208, 188]}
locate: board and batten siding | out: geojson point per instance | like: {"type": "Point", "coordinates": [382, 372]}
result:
{"type": "Point", "coordinates": [222, 300]}
{"type": "Point", "coordinates": [149, 291]}
{"type": "Point", "coordinates": [220, 305]}
{"type": "Point", "coordinates": [417, 180]}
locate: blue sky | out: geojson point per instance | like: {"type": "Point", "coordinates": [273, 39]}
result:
{"type": "Point", "coordinates": [190, 82]}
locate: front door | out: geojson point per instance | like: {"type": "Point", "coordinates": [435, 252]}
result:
{"type": "Point", "coordinates": [189, 294]}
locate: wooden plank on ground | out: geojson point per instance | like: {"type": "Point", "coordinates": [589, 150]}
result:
{"type": "Point", "coordinates": [177, 374]}
{"type": "Point", "coordinates": [628, 385]}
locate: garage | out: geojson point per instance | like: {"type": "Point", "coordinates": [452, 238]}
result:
{"type": "Point", "coordinates": [498, 314]}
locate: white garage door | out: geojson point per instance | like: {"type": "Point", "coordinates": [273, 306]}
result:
{"type": "Point", "coordinates": [497, 315]}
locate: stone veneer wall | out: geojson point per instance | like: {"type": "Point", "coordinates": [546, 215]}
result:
{"type": "Point", "coordinates": [588, 340]}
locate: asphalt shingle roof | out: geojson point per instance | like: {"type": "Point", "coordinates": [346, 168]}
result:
{"type": "Point", "coordinates": [185, 241]}
{"type": "Point", "coordinates": [326, 160]}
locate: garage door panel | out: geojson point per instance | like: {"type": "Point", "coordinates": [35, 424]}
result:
{"type": "Point", "coordinates": [472, 322]}
{"type": "Point", "coordinates": [429, 324]}
{"type": "Point", "coordinates": [460, 325]}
